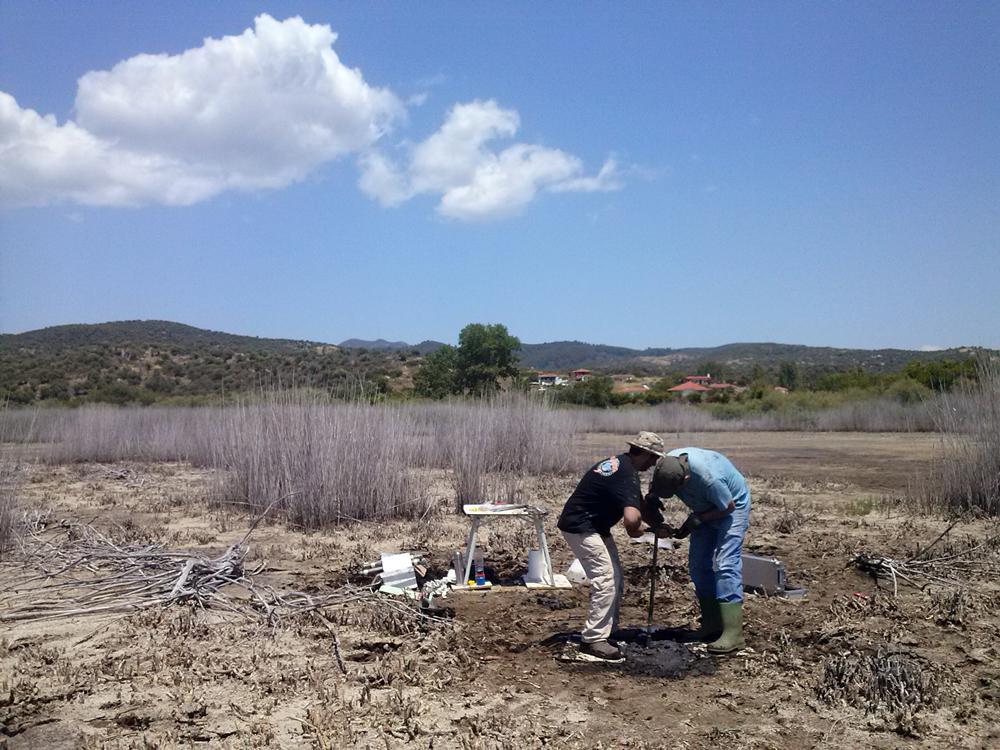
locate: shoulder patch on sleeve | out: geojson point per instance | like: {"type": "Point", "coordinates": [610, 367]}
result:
{"type": "Point", "coordinates": [607, 467]}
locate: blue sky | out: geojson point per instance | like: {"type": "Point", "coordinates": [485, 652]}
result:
{"type": "Point", "coordinates": [664, 175]}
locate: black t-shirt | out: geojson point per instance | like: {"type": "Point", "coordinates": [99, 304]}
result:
{"type": "Point", "coordinates": [600, 499]}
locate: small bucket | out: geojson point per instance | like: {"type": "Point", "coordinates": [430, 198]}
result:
{"type": "Point", "coordinates": [536, 567]}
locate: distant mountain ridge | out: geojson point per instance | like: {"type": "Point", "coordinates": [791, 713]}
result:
{"type": "Point", "coordinates": [153, 360]}
{"type": "Point", "coordinates": [161, 332]}
{"type": "Point", "coordinates": [563, 355]}
{"type": "Point", "coordinates": [381, 345]}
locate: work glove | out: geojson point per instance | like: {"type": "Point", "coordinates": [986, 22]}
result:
{"type": "Point", "coordinates": [690, 523]}
{"type": "Point", "coordinates": [665, 531]}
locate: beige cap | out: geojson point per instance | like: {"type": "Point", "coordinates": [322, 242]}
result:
{"type": "Point", "coordinates": [649, 442]}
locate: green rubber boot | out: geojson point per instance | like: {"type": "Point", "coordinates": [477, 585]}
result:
{"type": "Point", "coordinates": [732, 629]}
{"type": "Point", "coordinates": [711, 622]}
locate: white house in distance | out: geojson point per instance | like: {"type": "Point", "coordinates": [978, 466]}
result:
{"type": "Point", "coordinates": [548, 380]}
{"type": "Point", "coordinates": [553, 379]}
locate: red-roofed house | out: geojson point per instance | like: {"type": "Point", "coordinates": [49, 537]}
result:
{"type": "Point", "coordinates": [688, 386]}
{"type": "Point", "coordinates": [580, 374]}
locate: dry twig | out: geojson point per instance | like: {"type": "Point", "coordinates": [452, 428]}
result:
{"type": "Point", "coordinates": [73, 569]}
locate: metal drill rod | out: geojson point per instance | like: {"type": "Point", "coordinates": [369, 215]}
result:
{"type": "Point", "coordinates": [652, 585]}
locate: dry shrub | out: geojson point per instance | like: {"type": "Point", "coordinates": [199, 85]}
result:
{"type": "Point", "coordinates": [370, 617]}
{"type": "Point", "coordinates": [880, 414]}
{"type": "Point", "coordinates": [858, 606]}
{"type": "Point", "coordinates": [331, 462]}
{"type": "Point", "coordinates": [789, 519]}
{"type": "Point", "coordinates": [884, 683]}
{"type": "Point", "coordinates": [325, 463]}
{"type": "Point", "coordinates": [489, 443]}
{"type": "Point", "coordinates": [108, 434]}
{"type": "Point", "coordinates": [10, 474]}
{"type": "Point", "coordinates": [884, 414]}
{"type": "Point", "coordinates": [25, 424]}
{"type": "Point", "coordinates": [951, 606]}
{"type": "Point", "coordinates": [8, 505]}
{"type": "Point", "coordinates": [967, 476]}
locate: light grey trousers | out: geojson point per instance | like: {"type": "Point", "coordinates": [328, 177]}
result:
{"type": "Point", "coordinates": [599, 557]}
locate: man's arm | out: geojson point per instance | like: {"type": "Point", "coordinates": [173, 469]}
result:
{"type": "Point", "coordinates": [632, 520]}
{"type": "Point", "coordinates": [721, 498]}
{"type": "Point", "coordinates": [715, 515]}
{"type": "Point", "coordinates": [719, 495]}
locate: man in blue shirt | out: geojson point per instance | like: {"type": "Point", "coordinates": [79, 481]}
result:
{"type": "Point", "coordinates": [718, 499]}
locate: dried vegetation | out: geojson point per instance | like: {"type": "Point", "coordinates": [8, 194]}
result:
{"type": "Point", "coordinates": [214, 665]}
{"type": "Point", "coordinates": [884, 683]}
{"type": "Point", "coordinates": [967, 478]}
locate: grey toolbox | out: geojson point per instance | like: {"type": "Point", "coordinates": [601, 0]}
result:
{"type": "Point", "coordinates": [766, 575]}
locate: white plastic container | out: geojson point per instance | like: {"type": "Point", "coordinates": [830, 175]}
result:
{"type": "Point", "coordinates": [575, 572]}
{"type": "Point", "coordinates": [536, 568]}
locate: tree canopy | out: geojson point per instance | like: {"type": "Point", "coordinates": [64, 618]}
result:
{"type": "Point", "coordinates": [486, 353]}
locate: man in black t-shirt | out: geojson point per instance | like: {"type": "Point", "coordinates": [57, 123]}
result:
{"type": "Point", "coordinates": [608, 493]}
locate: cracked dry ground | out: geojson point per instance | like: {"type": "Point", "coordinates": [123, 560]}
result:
{"type": "Point", "coordinates": [180, 677]}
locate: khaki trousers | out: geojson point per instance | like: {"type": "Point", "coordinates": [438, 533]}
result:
{"type": "Point", "coordinates": [599, 557]}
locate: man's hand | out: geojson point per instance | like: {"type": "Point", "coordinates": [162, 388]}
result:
{"type": "Point", "coordinates": [690, 523]}
{"type": "Point", "coordinates": [665, 531]}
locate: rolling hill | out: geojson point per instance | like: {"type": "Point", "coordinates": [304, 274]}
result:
{"type": "Point", "coordinates": [138, 361]}
{"type": "Point", "coordinates": [735, 358]}
{"type": "Point", "coordinates": [155, 360]}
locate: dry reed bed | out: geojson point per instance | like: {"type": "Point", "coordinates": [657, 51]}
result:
{"type": "Point", "coordinates": [337, 462]}
{"type": "Point", "coordinates": [968, 477]}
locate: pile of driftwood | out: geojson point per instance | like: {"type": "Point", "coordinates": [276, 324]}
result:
{"type": "Point", "coordinates": [954, 563]}
{"type": "Point", "coordinates": [70, 569]}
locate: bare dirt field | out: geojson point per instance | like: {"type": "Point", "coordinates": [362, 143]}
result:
{"type": "Point", "coordinates": [848, 666]}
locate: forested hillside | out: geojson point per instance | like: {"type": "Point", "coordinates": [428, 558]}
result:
{"type": "Point", "coordinates": [147, 361]}
{"type": "Point", "coordinates": [155, 361]}
{"type": "Point", "coordinates": [731, 360]}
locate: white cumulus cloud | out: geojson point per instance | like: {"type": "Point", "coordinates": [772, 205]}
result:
{"type": "Point", "coordinates": [264, 109]}
{"type": "Point", "coordinates": [474, 181]}
{"type": "Point", "coordinates": [258, 110]}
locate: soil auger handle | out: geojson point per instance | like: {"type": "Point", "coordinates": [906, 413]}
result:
{"type": "Point", "coordinates": [652, 585]}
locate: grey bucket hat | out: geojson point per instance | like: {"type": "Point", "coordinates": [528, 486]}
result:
{"type": "Point", "coordinates": [649, 442]}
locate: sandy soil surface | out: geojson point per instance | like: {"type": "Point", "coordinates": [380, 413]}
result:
{"type": "Point", "coordinates": [492, 677]}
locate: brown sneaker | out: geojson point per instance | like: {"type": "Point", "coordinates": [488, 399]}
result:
{"type": "Point", "coordinates": [601, 651]}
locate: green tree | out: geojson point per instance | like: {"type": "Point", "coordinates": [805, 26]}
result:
{"type": "Point", "coordinates": [711, 367]}
{"type": "Point", "coordinates": [788, 375]}
{"type": "Point", "coordinates": [436, 377]}
{"type": "Point", "coordinates": [941, 374]}
{"type": "Point", "coordinates": [594, 391]}
{"type": "Point", "coordinates": [855, 377]}
{"type": "Point", "coordinates": [486, 353]}
{"type": "Point", "coordinates": [758, 376]}
{"type": "Point", "coordinates": [908, 391]}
